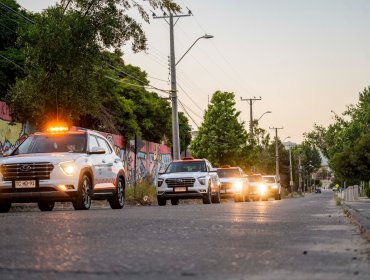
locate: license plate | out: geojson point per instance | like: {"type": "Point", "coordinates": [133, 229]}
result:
{"type": "Point", "coordinates": [180, 189]}
{"type": "Point", "coordinates": [25, 184]}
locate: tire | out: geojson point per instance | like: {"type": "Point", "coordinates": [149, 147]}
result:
{"type": "Point", "coordinates": [238, 198]}
{"type": "Point", "coordinates": [83, 199]}
{"type": "Point", "coordinates": [278, 196]}
{"type": "Point", "coordinates": [216, 198]}
{"type": "Point", "coordinates": [5, 207]}
{"type": "Point", "coordinates": [247, 199]}
{"type": "Point", "coordinates": [118, 200]}
{"type": "Point", "coordinates": [265, 198]}
{"type": "Point", "coordinates": [161, 201]}
{"type": "Point", "coordinates": [174, 201]}
{"type": "Point", "coordinates": [208, 198]}
{"type": "Point", "coordinates": [46, 206]}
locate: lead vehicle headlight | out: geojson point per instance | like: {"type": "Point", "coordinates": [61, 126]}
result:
{"type": "Point", "coordinates": [68, 168]}
{"type": "Point", "coordinates": [202, 180]}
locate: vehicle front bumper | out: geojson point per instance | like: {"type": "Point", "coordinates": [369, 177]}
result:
{"type": "Point", "coordinates": [190, 193]}
{"type": "Point", "coordinates": [45, 190]}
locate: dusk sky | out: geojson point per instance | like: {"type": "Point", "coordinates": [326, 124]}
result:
{"type": "Point", "coordinates": [304, 58]}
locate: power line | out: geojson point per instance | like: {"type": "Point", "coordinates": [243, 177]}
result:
{"type": "Point", "coordinates": [126, 83]}
{"type": "Point", "coordinates": [9, 9]}
{"type": "Point", "coordinates": [186, 112]}
{"type": "Point", "coordinates": [11, 61]}
{"type": "Point", "coordinates": [145, 84]}
{"type": "Point", "coordinates": [196, 105]}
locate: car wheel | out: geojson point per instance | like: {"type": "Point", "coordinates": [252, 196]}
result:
{"type": "Point", "coordinates": [265, 198]}
{"type": "Point", "coordinates": [278, 196]}
{"type": "Point", "coordinates": [83, 199]}
{"type": "Point", "coordinates": [46, 206]}
{"type": "Point", "coordinates": [207, 199]}
{"type": "Point", "coordinates": [216, 198]}
{"type": "Point", "coordinates": [5, 207]}
{"type": "Point", "coordinates": [174, 201]}
{"type": "Point", "coordinates": [161, 201]}
{"type": "Point", "coordinates": [118, 200]}
{"type": "Point", "coordinates": [247, 198]}
{"type": "Point", "coordinates": [238, 198]}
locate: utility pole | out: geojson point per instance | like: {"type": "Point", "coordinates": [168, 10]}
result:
{"type": "Point", "coordinates": [175, 116]}
{"type": "Point", "coordinates": [300, 174]}
{"type": "Point", "coordinates": [250, 101]}
{"type": "Point", "coordinates": [291, 183]}
{"type": "Point", "coordinates": [277, 151]}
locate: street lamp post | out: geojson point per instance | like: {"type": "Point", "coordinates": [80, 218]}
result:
{"type": "Point", "coordinates": [267, 112]}
{"type": "Point", "coordinates": [175, 114]}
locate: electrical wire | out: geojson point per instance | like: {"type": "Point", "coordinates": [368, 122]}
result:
{"type": "Point", "coordinates": [192, 100]}
{"type": "Point", "coordinates": [11, 61]}
{"type": "Point", "coordinates": [145, 84]}
{"type": "Point", "coordinates": [186, 112]}
{"type": "Point", "coordinates": [9, 9]}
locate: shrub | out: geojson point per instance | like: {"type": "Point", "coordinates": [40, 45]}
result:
{"type": "Point", "coordinates": [143, 193]}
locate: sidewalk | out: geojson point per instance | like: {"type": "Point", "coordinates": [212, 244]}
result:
{"type": "Point", "coordinates": [359, 213]}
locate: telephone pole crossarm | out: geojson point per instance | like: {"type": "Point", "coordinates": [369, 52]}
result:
{"type": "Point", "coordinates": [251, 101]}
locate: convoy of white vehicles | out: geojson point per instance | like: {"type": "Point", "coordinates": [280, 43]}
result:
{"type": "Point", "coordinates": [80, 166]}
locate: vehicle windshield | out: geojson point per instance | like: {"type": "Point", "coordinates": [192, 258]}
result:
{"type": "Point", "coordinates": [187, 166]}
{"type": "Point", "coordinates": [53, 143]}
{"type": "Point", "coordinates": [255, 178]}
{"type": "Point", "coordinates": [269, 179]}
{"type": "Point", "coordinates": [228, 173]}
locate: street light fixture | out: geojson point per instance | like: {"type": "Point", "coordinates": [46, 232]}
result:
{"type": "Point", "coordinates": [175, 115]}
{"type": "Point", "coordinates": [206, 36]}
{"type": "Point", "coordinates": [267, 112]}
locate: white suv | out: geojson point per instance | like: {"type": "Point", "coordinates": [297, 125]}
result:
{"type": "Point", "coordinates": [187, 179]}
{"type": "Point", "coordinates": [59, 165]}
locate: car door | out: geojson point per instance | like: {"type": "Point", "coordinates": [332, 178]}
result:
{"type": "Point", "coordinates": [96, 163]}
{"type": "Point", "coordinates": [107, 161]}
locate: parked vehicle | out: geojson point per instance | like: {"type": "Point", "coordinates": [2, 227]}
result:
{"type": "Point", "coordinates": [62, 165]}
{"type": "Point", "coordinates": [273, 186]}
{"type": "Point", "coordinates": [188, 179]}
{"type": "Point", "coordinates": [234, 183]}
{"type": "Point", "coordinates": [318, 190]}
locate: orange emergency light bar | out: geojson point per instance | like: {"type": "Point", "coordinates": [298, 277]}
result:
{"type": "Point", "coordinates": [56, 129]}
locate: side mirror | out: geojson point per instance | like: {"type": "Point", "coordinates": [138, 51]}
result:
{"type": "Point", "coordinates": [96, 151]}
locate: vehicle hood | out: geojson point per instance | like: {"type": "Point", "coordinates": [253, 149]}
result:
{"type": "Point", "coordinates": [255, 184]}
{"type": "Point", "coordinates": [229, 180]}
{"type": "Point", "coordinates": [53, 158]}
{"type": "Point", "coordinates": [183, 175]}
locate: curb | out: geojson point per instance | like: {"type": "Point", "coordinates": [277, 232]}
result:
{"type": "Point", "coordinates": [357, 219]}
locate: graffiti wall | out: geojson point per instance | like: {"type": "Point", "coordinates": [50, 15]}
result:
{"type": "Point", "coordinates": [11, 134]}
{"type": "Point", "coordinates": [151, 157]}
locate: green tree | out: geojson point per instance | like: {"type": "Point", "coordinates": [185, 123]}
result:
{"type": "Point", "coordinates": [11, 56]}
{"type": "Point", "coordinates": [346, 142]}
{"type": "Point", "coordinates": [65, 65]}
{"type": "Point", "coordinates": [221, 137]}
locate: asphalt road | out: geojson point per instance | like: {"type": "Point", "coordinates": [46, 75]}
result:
{"type": "Point", "coordinates": [302, 238]}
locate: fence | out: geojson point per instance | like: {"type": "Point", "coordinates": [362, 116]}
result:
{"type": "Point", "coordinates": [352, 193]}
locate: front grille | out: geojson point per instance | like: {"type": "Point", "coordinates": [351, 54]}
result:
{"type": "Point", "coordinates": [26, 171]}
{"type": "Point", "coordinates": [226, 186]}
{"type": "Point", "coordinates": [180, 182]}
